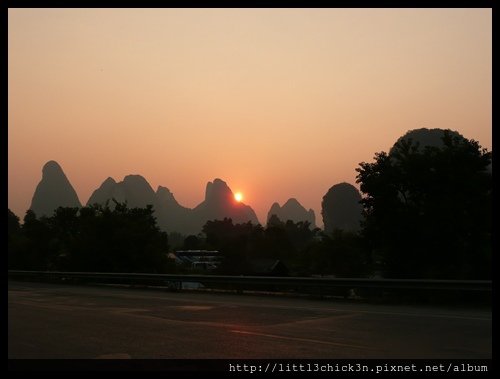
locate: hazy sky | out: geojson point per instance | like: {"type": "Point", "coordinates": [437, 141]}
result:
{"type": "Point", "coordinates": [278, 103]}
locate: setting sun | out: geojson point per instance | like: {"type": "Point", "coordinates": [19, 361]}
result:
{"type": "Point", "coordinates": [238, 196]}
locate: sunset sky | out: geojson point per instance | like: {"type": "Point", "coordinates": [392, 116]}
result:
{"type": "Point", "coordinates": [278, 103]}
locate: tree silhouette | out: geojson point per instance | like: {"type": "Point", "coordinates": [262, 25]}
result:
{"type": "Point", "coordinates": [232, 241]}
{"type": "Point", "coordinates": [38, 235]}
{"type": "Point", "coordinates": [13, 226]}
{"type": "Point", "coordinates": [15, 242]}
{"type": "Point", "coordinates": [428, 209]}
{"type": "Point", "coordinates": [93, 238]}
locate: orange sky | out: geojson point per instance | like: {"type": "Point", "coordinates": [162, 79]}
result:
{"type": "Point", "coordinates": [279, 103]}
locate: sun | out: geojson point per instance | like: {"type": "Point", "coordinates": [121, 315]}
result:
{"type": "Point", "coordinates": [238, 196]}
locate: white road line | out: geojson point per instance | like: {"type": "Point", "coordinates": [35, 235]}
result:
{"type": "Point", "coordinates": [199, 299]}
{"type": "Point", "coordinates": [298, 339]}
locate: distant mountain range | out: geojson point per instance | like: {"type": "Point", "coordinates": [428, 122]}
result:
{"type": "Point", "coordinates": [171, 216]}
{"type": "Point", "coordinates": [55, 190]}
{"type": "Point", "coordinates": [340, 207]}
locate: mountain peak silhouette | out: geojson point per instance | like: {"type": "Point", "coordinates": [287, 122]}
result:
{"type": "Point", "coordinates": [52, 167]}
{"type": "Point", "coordinates": [134, 189]}
{"type": "Point", "coordinates": [53, 191]}
{"type": "Point", "coordinates": [170, 215]}
{"type": "Point", "coordinates": [165, 193]}
{"type": "Point", "coordinates": [217, 190]}
{"type": "Point", "coordinates": [292, 210]}
{"type": "Point", "coordinates": [426, 137]}
{"type": "Point", "coordinates": [341, 208]}
{"type": "Point", "coordinates": [219, 203]}
{"type": "Point", "coordinates": [109, 181]}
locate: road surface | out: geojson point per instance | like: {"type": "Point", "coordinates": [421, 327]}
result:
{"type": "Point", "coordinates": [58, 321]}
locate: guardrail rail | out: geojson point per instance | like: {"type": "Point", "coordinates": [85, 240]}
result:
{"type": "Point", "coordinates": [345, 287]}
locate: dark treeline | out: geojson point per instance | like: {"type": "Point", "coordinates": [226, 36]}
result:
{"type": "Point", "coordinates": [98, 238]}
{"type": "Point", "coordinates": [303, 250]}
{"type": "Point", "coordinates": [426, 214]}
{"type": "Point", "coordinates": [93, 238]}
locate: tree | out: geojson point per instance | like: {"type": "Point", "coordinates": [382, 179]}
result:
{"type": "Point", "coordinates": [93, 238]}
{"type": "Point", "coordinates": [232, 241]}
{"type": "Point", "coordinates": [340, 253]}
{"type": "Point", "coordinates": [36, 249]}
{"type": "Point", "coordinates": [428, 209]}
{"type": "Point", "coordinates": [176, 240]}
{"type": "Point", "coordinates": [289, 237]}
{"type": "Point", "coordinates": [121, 240]}
{"type": "Point", "coordinates": [15, 240]}
{"type": "Point", "coordinates": [13, 226]}
{"type": "Point", "coordinates": [191, 242]}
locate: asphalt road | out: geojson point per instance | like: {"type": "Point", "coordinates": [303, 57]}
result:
{"type": "Point", "coordinates": [56, 321]}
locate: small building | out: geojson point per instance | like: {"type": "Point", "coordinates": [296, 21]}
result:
{"type": "Point", "coordinates": [201, 259]}
{"type": "Point", "coordinates": [267, 267]}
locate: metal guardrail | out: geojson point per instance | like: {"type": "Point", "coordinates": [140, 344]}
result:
{"type": "Point", "coordinates": [251, 282]}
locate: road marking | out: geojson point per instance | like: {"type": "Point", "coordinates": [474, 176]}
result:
{"type": "Point", "coordinates": [328, 310]}
{"type": "Point", "coordinates": [298, 339]}
{"type": "Point", "coordinates": [175, 297]}
{"type": "Point", "coordinates": [324, 309]}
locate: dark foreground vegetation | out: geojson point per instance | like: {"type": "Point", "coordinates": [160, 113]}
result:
{"type": "Point", "coordinates": [427, 214]}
